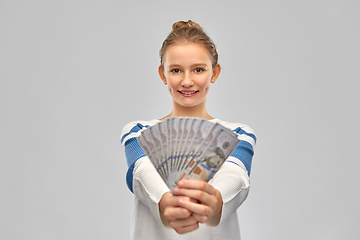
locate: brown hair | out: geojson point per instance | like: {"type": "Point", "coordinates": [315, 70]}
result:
{"type": "Point", "coordinates": [189, 31]}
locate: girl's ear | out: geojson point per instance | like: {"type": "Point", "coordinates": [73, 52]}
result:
{"type": "Point", "coordinates": [161, 74]}
{"type": "Point", "coordinates": [216, 73]}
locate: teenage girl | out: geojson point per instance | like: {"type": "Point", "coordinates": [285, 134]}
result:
{"type": "Point", "coordinates": [196, 209]}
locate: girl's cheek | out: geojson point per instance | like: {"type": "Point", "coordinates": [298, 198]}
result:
{"type": "Point", "coordinates": [172, 83]}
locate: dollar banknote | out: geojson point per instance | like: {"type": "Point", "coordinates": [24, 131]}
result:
{"type": "Point", "coordinates": [187, 148]}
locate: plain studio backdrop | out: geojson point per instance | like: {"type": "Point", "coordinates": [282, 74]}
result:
{"type": "Point", "coordinates": [73, 73]}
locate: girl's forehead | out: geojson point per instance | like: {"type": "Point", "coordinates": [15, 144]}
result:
{"type": "Point", "coordinates": [187, 52]}
{"type": "Point", "coordinates": [187, 46]}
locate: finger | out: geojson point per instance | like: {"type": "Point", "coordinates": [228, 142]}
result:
{"type": "Point", "coordinates": [187, 229]}
{"type": "Point", "coordinates": [180, 223]}
{"type": "Point", "coordinates": [196, 208]}
{"type": "Point", "coordinates": [174, 213]}
{"type": "Point", "coordinates": [174, 200]}
{"type": "Point", "coordinates": [199, 218]}
{"type": "Point", "coordinates": [184, 197]}
{"type": "Point", "coordinates": [197, 184]}
{"type": "Point", "coordinates": [199, 195]}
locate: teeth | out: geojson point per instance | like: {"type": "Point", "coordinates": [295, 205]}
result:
{"type": "Point", "coordinates": [188, 93]}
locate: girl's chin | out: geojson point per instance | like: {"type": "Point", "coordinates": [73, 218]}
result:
{"type": "Point", "coordinates": [188, 104]}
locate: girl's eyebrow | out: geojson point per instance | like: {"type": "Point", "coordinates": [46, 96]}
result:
{"type": "Point", "coordinates": [174, 65]}
{"type": "Point", "coordinates": [199, 65]}
{"type": "Point", "coordinates": [193, 65]}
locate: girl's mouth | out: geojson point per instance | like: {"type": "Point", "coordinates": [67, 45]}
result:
{"type": "Point", "coordinates": [187, 92]}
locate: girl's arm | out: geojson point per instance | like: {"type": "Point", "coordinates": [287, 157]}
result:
{"type": "Point", "coordinates": [232, 181]}
{"type": "Point", "coordinates": [142, 178]}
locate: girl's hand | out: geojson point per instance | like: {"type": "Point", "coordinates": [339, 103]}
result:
{"type": "Point", "coordinates": [208, 199]}
{"type": "Point", "coordinates": [180, 219]}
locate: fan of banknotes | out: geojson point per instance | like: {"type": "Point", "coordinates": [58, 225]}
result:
{"type": "Point", "coordinates": [187, 148]}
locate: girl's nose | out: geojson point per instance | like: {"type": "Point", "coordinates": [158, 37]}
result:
{"type": "Point", "coordinates": [187, 81]}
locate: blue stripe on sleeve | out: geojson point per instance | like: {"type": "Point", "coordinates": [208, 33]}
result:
{"type": "Point", "coordinates": [244, 153]}
{"type": "Point", "coordinates": [133, 152]}
{"type": "Point", "coordinates": [233, 162]}
{"type": "Point", "coordinates": [241, 131]}
{"type": "Point", "coordinates": [129, 177]}
{"type": "Point", "coordinates": [136, 128]}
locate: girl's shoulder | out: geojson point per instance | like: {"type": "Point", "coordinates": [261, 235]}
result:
{"type": "Point", "coordinates": [134, 128]}
{"type": "Point", "coordinates": [244, 132]}
{"type": "Point", "coordinates": [236, 127]}
{"type": "Point", "coordinates": [139, 124]}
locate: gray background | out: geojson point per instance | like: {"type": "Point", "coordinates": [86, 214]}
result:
{"type": "Point", "coordinates": [73, 73]}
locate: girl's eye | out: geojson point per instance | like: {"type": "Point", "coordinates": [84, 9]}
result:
{"type": "Point", "coordinates": [175, 70]}
{"type": "Point", "coordinates": [198, 70]}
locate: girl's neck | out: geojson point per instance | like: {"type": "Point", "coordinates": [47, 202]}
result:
{"type": "Point", "coordinates": [196, 111]}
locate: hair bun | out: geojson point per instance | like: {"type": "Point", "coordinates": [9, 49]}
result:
{"type": "Point", "coordinates": [182, 24]}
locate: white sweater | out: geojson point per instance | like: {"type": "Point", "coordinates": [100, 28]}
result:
{"type": "Point", "coordinates": [232, 180]}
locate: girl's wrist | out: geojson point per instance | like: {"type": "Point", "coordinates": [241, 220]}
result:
{"type": "Point", "coordinates": [162, 202]}
{"type": "Point", "coordinates": [220, 202]}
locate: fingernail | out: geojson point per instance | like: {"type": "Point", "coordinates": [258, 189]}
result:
{"type": "Point", "coordinates": [180, 183]}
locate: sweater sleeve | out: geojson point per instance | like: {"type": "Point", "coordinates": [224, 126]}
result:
{"type": "Point", "coordinates": [142, 178]}
{"type": "Point", "coordinates": [232, 179]}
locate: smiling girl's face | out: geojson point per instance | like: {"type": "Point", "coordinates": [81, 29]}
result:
{"type": "Point", "coordinates": [187, 71]}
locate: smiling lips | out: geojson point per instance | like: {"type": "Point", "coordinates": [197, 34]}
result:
{"type": "Point", "coordinates": [187, 93]}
